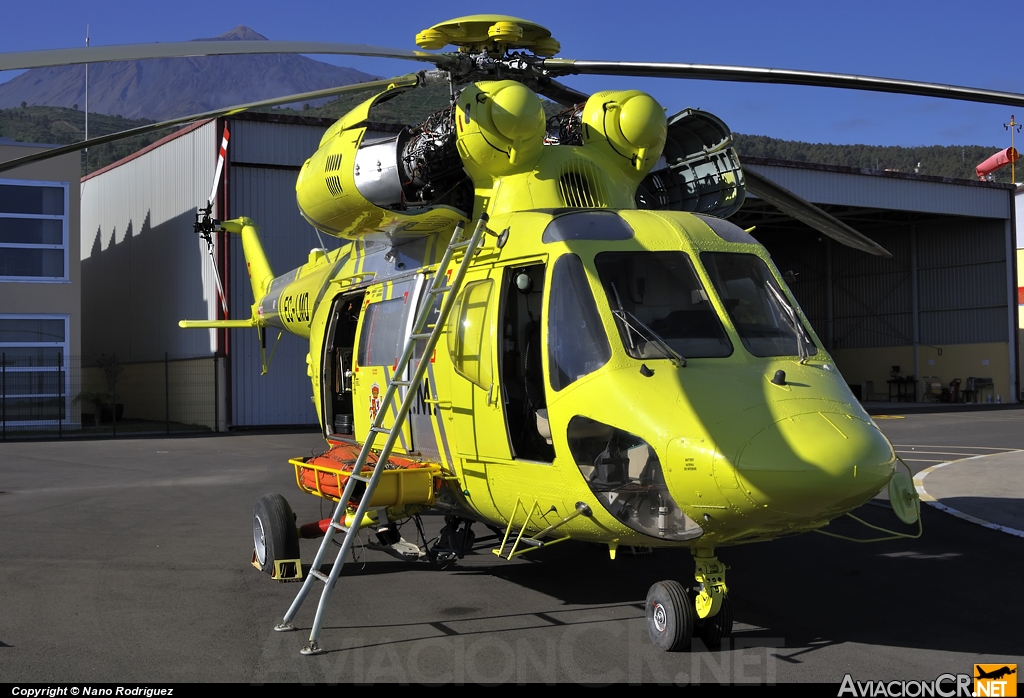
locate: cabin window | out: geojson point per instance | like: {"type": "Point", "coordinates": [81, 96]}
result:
{"type": "Point", "coordinates": [577, 344]}
{"type": "Point", "coordinates": [383, 334]}
{"type": "Point", "coordinates": [657, 299]}
{"type": "Point", "coordinates": [764, 318]}
{"type": "Point", "coordinates": [469, 334]}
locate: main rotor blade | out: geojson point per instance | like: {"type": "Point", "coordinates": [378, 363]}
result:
{"type": "Point", "coordinates": [559, 93]}
{"type": "Point", "coordinates": [404, 81]}
{"type": "Point", "coordinates": [734, 73]}
{"type": "Point", "coordinates": [806, 212]}
{"type": "Point", "coordinates": [184, 49]}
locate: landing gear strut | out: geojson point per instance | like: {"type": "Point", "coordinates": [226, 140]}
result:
{"type": "Point", "coordinates": [675, 615]}
{"type": "Point", "coordinates": [456, 539]}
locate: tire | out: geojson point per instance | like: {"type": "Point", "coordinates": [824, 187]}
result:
{"type": "Point", "coordinates": [670, 616]}
{"type": "Point", "coordinates": [273, 531]}
{"type": "Point", "coordinates": [712, 631]}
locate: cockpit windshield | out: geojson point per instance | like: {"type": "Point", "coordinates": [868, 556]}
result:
{"type": "Point", "coordinates": [661, 308]}
{"type": "Point", "coordinates": [764, 318]}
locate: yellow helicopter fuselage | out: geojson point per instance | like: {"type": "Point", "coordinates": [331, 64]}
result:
{"type": "Point", "coordinates": [651, 365]}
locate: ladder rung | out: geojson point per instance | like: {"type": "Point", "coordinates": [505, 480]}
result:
{"type": "Point", "coordinates": [419, 335]}
{"type": "Point", "coordinates": [361, 478]}
{"type": "Point", "coordinates": [405, 383]}
{"type": "Point", "coordinates": [319, 575]}
{"type": "Point", "coordinates": [440, 289]}
{"type": "Point", "coordinates": [460, 245]}
{"type": "Point", "coordinates": [380, 430]}
{"type": "Point", "coordinates": [340, 526]}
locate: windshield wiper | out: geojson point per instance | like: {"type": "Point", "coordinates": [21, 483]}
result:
{"type": "Point", "coordinates": [651, 337]}
{"type": "Point", "coordinates": [802, 340]}
{"type": "Point", "coordinates": [629, 330]}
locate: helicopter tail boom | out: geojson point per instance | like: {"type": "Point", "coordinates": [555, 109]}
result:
{"type": "Point", "coordinates": [260, 273]}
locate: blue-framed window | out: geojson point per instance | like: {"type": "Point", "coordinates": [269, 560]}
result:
{"type": "Point", "coordinates": [33, 369]}
{"type": "Point", "coordinates": [33, 231]}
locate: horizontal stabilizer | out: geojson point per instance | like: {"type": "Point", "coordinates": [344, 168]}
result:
{"type": "Point", "coordinates": [216, 324]}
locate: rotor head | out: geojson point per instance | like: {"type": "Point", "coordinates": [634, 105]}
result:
{"type": "Point", "coordinates": [493, 34]}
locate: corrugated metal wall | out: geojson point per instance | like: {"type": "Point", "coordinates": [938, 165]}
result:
{"type": "Point", "coordinates": [961, 284]}
{"type": "Point", "coordinates": [143, 267]}
{"type": "Point", "coordinates": [265, 160]}
{"type": "Point", "coordinates": [873, 296]}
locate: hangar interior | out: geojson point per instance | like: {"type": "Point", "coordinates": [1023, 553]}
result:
{"type": "Point", "coordinates": [942, 309]}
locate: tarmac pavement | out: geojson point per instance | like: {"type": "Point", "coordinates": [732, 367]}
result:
{"type": "Point", "coordinates": [127, 560]}
{"type": "Point", "coordinates": [986, 490]}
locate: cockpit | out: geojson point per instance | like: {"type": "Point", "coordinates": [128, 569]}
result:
{"type": "Point", "coordinates": [672, 305]}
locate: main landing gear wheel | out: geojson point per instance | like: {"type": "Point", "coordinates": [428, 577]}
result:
{"type": "Point", "coordinates": [713, 630]}
{"type": "Point", "coordinates": [670, 616]}
{"type": "Point", "coordinates": [273, 531]}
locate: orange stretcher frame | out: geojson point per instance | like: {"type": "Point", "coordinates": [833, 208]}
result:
{"type": "Point", "coordinates": [406, 482]}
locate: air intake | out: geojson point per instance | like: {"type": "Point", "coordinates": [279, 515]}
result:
{"type": "Point", "coordinates": [581, 185]}
{"type": "Point", "coordinates": [333, 164]}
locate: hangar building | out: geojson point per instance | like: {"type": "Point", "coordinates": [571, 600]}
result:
{"type": "Point", "coordinates": [943, 307]}
{"type": "Point", "coordinates": [40, 283]}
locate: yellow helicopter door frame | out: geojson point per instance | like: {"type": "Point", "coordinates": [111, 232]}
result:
{"type": "Point", "coordinates": [477, 412]}
{"type": "Point", "coordinates": [384, 326]}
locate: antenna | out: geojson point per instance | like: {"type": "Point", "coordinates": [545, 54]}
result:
{"type": "Point", "coordinates": [1013, 125]}
{"type": "Point", "coordinates": [87, 101]}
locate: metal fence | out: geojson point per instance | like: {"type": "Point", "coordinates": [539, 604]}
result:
{"type": "Point", "coordinates": [47, 394]}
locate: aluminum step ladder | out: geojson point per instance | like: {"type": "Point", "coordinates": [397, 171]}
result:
{"type": "Point", "coordinates": [349, 525]}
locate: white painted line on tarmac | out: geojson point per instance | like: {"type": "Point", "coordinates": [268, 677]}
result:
{"type": "Point", "coordinates": [962, 448]}
{"type": "Point", "coordinates": [947, 453]}
{"type": "Point", "coordinates": [931, 501]}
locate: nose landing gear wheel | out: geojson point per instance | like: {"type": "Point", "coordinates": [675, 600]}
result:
{"type": "Point", "coordinates": [713, 630]}
{"type": "Point", "coordinates": [273, 531]}
{"type": "Point", "coordinates": [670, 616]}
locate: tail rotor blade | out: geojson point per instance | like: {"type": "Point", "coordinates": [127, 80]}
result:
{"type": "Point", "coordinates": [222, 156]}
{"type": "Point", "coordinates": [220, 163]}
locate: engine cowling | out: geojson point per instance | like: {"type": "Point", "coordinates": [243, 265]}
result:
{"type": "Point", "coordinates": [410, 184]}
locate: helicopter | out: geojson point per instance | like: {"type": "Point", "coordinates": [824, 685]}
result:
{"type": "Point", "coordinates": [551, 323]}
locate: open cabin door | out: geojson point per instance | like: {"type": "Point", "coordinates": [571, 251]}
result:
{"type": "Point", "coordinates": [385, 324]}
{"type": "Point", "coordinates": [494, 342]}
{"type": "Point", "coordinates": [337, 363]}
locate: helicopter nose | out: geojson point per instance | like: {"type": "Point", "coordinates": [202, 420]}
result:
{"type": "Point", "coordinates": [815, 464]}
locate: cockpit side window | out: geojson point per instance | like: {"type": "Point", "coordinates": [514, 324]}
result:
{"type": "Point", "coordinates": [577, 343]}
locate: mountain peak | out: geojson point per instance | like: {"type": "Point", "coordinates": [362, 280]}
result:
{"type": "Point", "coordinates": [239, 33]}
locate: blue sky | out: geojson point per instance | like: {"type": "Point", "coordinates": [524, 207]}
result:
{"type": "Point", "coordinates": [941, 41]}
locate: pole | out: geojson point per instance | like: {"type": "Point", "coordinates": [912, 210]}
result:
{"type": "Point", "coordinates": [60, 393]}
{"type": "Point", "coordinates": [87, 101]}
{"type": "Point", "coordinates": [1012, 126]}
{"type": "Point", "coordinates": [113, 392]}
{"type": "Point", "coordinates": [915, 306]}
{"type": "Point", "coordinates": [216, 394]}
{"type": "Point", "coordinates": [167, 394]}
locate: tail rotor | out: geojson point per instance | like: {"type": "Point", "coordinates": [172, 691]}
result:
{"type": "Point", "coordinates": [206, 224]}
